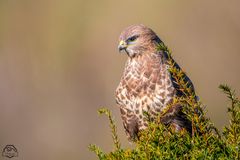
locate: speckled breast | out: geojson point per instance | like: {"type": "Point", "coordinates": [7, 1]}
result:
{"type": "Point", "coordinates": [145, 85]}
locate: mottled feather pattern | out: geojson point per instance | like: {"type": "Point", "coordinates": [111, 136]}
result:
{"type": "Point", "coordinates": [147, 85]}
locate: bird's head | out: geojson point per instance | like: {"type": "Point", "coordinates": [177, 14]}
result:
{"type": "Point", "coordinates": [138, 39]}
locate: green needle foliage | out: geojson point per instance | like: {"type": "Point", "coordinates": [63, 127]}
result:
{"type": "Point", "coordinates": [232, 132]}
{"type": "Point", "coordinates": [162, 142]}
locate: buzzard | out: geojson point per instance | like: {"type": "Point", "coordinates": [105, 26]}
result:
{"type": "Point", "coordinates": [146, 84]}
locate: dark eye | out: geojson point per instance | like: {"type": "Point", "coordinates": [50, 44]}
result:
{"type": "Point", "coordinates": [133, 38]}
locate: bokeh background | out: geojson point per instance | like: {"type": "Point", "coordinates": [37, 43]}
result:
{"type": "Point", "coordinates": [59, 63]}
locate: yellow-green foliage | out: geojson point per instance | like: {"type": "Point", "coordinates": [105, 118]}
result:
{"type": "Point", "coordinates": [161, 142]}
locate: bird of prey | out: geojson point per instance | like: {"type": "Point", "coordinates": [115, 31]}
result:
{"type": "Point", "coordinates": [146, 84]}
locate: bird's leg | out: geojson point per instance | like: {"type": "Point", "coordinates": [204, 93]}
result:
{"type": "Point", "coordinates": [130, 123]}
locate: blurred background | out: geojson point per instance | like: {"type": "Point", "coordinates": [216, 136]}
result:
{"type": "Point", "coordinates": [59, 63]}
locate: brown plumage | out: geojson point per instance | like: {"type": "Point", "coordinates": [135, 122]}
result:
{"type": "Point", "coordinates": [146, 84]}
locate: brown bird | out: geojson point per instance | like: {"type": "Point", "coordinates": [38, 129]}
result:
{"type": "Point", "coordinates": [146, 84]}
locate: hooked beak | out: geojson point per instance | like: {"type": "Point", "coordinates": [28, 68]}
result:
{"type": "Point", "coordinates": [122, 46]}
